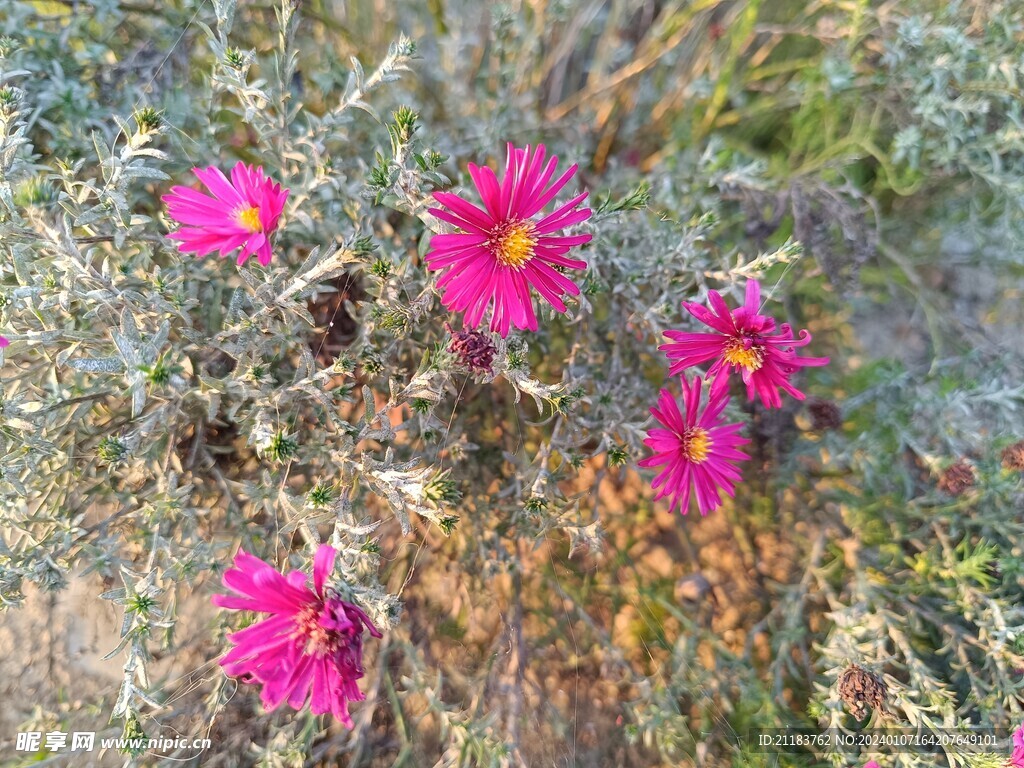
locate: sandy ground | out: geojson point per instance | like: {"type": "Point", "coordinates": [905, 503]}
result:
{"type": "Point", "coordinates": [53, 675]}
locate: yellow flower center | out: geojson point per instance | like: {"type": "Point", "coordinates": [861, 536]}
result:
{"type": "Point", "coordinates": [696, 444]}
{"type": "Point", "coordinates": [512, 243]}
{"type": "Point", "coordinates": [250, 218]}
{"type": "Point", "coordinates": [319, 641]}
{"type": "Point", "coordinates": [742, 352]}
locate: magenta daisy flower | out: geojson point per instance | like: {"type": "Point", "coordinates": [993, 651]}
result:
{"type": "Point", "coordinates": [502, 250]}
{"type": "Point", "coordinates": [699, 451]}
{"type": "Point", "coordinates": [1017, 757]}
{"type": "Point", "coordinates": [312, 643]}
{"type": "Point", "coordinates": [742, 341]}
{"type": "Point", "coordinates": [242, 213]}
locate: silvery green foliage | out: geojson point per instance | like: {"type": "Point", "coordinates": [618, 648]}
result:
{"type": "Point", "coordinates": [165, 410]}
{"type": "Point", "coordinates": [159, 411]}
{"type": "Point", "coordinates": [960, 93]}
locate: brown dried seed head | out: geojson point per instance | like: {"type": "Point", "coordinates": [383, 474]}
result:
{"type": "Point", "coordinates": [956, 478]}
{"type": "Point", "coordinates": [1013, 456]}
{"type": "Point", "coordinates": [825, 414]}
{"type": "Point", "coordinates": [474, 350]}
{"type": "Point", "coordinates": [861, 690]}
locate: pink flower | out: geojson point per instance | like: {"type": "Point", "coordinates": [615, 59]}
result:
{"type": "Point", "coordinates": [312, 639]}
{"type": "Point", "coordinates": [742, 342]}
{"type": "Point", "coordinates": [699, 450]}
{"type": "Point", "coordinates": [3, 341]}
{"type": "Point", "coordinates": [502, 251]}
{"type": "Point", "coordinates": [242, 213]}
{"type": "Point", "coordinates": [1017, 758]}
{"type": "Point", "coordinates": [871, 764]}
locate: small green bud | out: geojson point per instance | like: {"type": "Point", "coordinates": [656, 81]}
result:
{"type": "Point", "coordinates": [382, 176]}
{"type": "Point", "coordinates": [257, 373]}
{"type": "Point", "coordinates": [282, 447]}
{"type": "Point", "coordinates": [112, 450]}
{"type": "Point", "coordinates": [393, 322]}
{"type": "Point", "coordinates": [404, 124]}
{"type": "Point", "coordinates": [371, 365]}
{"type": "Point", "coordinates": [235, 58]}
{"type": "Point", "coordinates": [161, 371]}
{"type": "Point", "coordinates": [344, 363]}
{"type": "Point", "coordinates": [141, 604]}
{"type": "Point", "coordinates": [617, 455]}
{"type": "Point", "coordinates": [10, 100]}
{"type": "Point", "coordinates": [148, 120]}
{"type": "Point", "coordinates": [321, 495]}
{"type": "Point", "coordinates": [405, 47]}
{"type": "Point", "coordinates": [429, 160]}
{"type": "Point", "coordinates": [536, 504]}
{"type": "Point", "coordinates": [381, 268]}
{"type": "Point", "coordinates": [8, 45]}
{"type": "Point", "coordinates": [421, 405]}
{"type": "Point", "coordinates": [364, 245]}
{"type": "Point", "coordinates": [442, 489]}
{"type": "Point", "coordinates": [516, 359]}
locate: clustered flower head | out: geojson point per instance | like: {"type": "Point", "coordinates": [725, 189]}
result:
{"type": "Point", "coordinates": [743, 341]}
{"type": "Point", "coordinates": [242, 213]}
{"type": "Point", "coordinates": [310, 648]}
{"type": "Point", "coordinates": [502, 250]}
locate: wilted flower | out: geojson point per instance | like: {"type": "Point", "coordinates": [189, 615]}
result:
{"type": "Point", "coordinates": [310, 646]}
{"type": "Point", "coordinates": [825, 414]}
{"type": "Point", "coordinates": [501, 251]}
{"type": "Point", "coordinates": [956, 478]}
{"type": "Point", "coordinates": [699, 450]}
{"type": "Point", "coordinates": [474, 349]}
{"type": "Point", "coordinates": [742, 341]}
{"type": "Point", "coordinates": [860, 690]}
{"type": "Point", "coordinates": [1013, 456]}
{"type": "Point", "coordinates": [242, 213]}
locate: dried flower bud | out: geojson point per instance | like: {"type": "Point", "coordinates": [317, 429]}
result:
{"type": "Point", "coordinates": [474, 349]}
{"type": "Point", "coordinates": [825, 414]}
{"type": "Point", "coordinates": [956, 478]}
{"type": "Point", "coordinates": [861, 690]}
{"type": "Point", "coordinates": [1013, 456]}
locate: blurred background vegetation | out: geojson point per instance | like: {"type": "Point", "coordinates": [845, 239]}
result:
{"type": "Point", "coordinates": [863, 159]}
